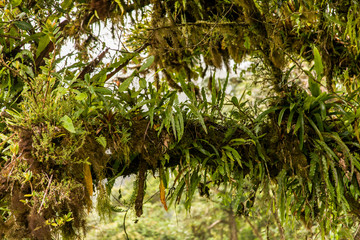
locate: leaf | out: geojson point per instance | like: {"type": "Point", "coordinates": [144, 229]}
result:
{"type": "Point", "coordinates": [314, 87]}
{"type": "Point", "coordinates": [66, 4]}
{"type": "Point", "coordinates": [142, 83]}
{"type": "Point", "coordinates": [224, 91]}
{"type": "Point", "coordinates": [322, 110]}
{"type": "Point", "coordinates": [315, 128]}
{"type": "Point", "coordinates": [234, 153]}
{"type": "Point", "coordinates": [319, 68]}
{"type": "Point", "coordinates": [302, 130]}
{"type": "Point", "coordinates": [15, 3]}
{"type": "Point", "coordinates": [43, 42]}
{"type": "Point", "coordinates": [81, 96]}
{"type": "Point", "coordinates": [102, 141]}
{"type": "Point", "coordinates": [162, 194]}
{"type": "Point", "coordinates": [125, 85]}
{"type": "Point", "coordinates": [291, 115]}
{"type": "Point", "coordinates": [88, 184]}
{"type": "Point", "coordinates": [270, 110]}
{"type": "Point", "coordinates": [68, 124]}
{"type": "Point", "coordinates": [314, 160]}
{"type": "Point", "coordinates": [281, 114]}
{"type": "Point", "coordinates": [147, 64]}
{"type": "Point", "coordinates": [195, 111]}
{"type": "Point", "coordinates": [235, 101]}
{"type": "Point", "coordinates": [179, 120]}
{"type": "Point", "coordinates": [247, 42]}
{"type": "Point", "coordinates": [23, 25]}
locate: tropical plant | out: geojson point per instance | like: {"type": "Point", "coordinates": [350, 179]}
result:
{"type": "Point", "coordinates": [70, 126]}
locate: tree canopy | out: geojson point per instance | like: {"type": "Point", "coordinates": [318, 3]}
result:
{"type": "Point", "coordinates": [77, 112]}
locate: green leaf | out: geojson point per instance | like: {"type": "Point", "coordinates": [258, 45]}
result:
{"type": "Point", "coordinates": [291, 115]}
{"type": "Point", "coordinates": [314, 159]}
{"type": "Point", "coordinates": [142, 83]}
{"type": "Point", "coordinates": [270, 110]}
{"type": "Point", "coordinates": [247, 42]}
{"type": "Point", "coordinates": [15, 3]}
{"type": "Point", "coordinates": [319, 68]}
{"type": "Point", "coordinates": [231, 152]}
{"type": "Point", "coordinates": [195, 111]}
{"type": "Point", "coordinates": [66, 4]}
{"type": "Point", "coordinates": [44, 41]}
{"type": "Point", "coordinates": [23, 25]}
{"type": "Point", "coordinates": [101, 140]}
{"type": "Point", "coordinates": [179, 124]}
{"type": "Point", "coordinates": [314, 87]}
{"type": "Point", "coordinates": [307, 103]}
{"type": "Point", "coordinates": [235, 101]}
{"type": "Point", "coordinates": [281, 114]}
{"type": "Point", "coordinates": [315, 128]}
{"type": "Point", "coordinates": [125, 85]}
{"type": "Point", "coordinates": [68, 124]}
{"type": "Point", "coordinates": [103, 90]}
{"type": "Point", "coordinates": [81, 96]}
{"type": "Point", "coordinates": [147, 64]}
{"type": "Point", "coordinates": [302, 130]}
{"type": "Point", "coordinates": [322, 110]}
{"type": "Point", "coordinates": [223, 92]}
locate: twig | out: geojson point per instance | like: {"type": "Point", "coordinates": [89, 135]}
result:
{"type": "Point", "coordinates": [214, 224]}
{"type": "Point", "coordinates": [90, 67]}
{"type": "Point", "coordinates": [46, 191]}
{"type": "Point", "coordinates": [124, 223]}
{"type": "Point", "coordinates": [110, 75]}
{"type": "Point", "coordinates": [8, 36]}
{"type": "Point", "coordinates": [254, 229]}
{"type": "Point", "coordinates": [147, 128]}
{"type": "Point", "coordinates": [199, 23]}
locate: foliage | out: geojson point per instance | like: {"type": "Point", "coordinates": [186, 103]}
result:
{"type": "Point", "coordinates": [70, 126]}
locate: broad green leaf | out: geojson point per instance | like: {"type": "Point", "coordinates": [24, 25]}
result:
{"type": "Point", "coordinates": [81, 96]}
{"type": "Point", "coordinates": [68, 124]}
{"type": "Point", "coordinates": [235, 101]}
{"type": "Point", "coordinates": [125, 85]}
{"type": "Point", "coordinates": [15, 3]}
{"type": "Point", "coordinates": [319, 68]}
{"type": "Point", "coordinates": [307, 103]}
{"type": "Point", "coordinates": [147, 64]}
{"type": "Point", "coordinates": [322, 110]}
{"type": "Point", "coordinates": [314, 87]}
{"type": "Point", "coordinates": [44, 41]}
{"type": "Point", "coordinates": [66, 4]}
{"type": "Point", "coordinates": [23, 25]}
{"type": "Point", "coordinates": [103, 91]}
{"type": "Point", "coordinates": [142, 83]}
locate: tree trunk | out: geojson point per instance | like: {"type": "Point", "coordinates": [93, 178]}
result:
{"type": "Point", "coordinates": [232, 225]}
